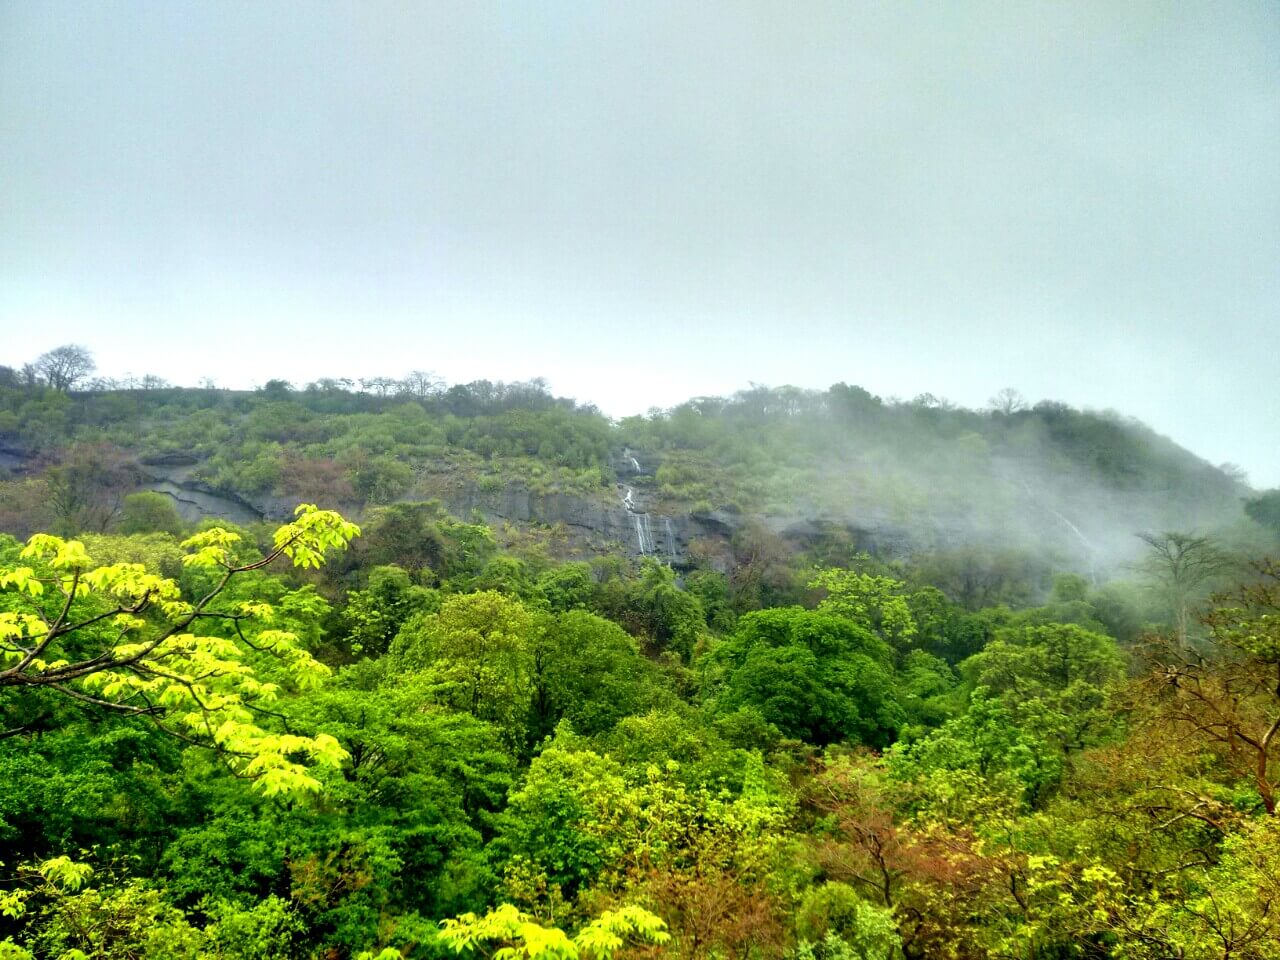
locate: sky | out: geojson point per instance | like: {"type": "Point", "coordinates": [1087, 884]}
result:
{"type": "Point", "coordinates": [644, 202]}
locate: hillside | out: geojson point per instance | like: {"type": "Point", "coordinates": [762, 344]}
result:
{"type": "Point", "coordinates": [1069, 487]}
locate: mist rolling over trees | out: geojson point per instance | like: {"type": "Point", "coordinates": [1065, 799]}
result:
{"type": "Point", "coordinates": [1062, 487]}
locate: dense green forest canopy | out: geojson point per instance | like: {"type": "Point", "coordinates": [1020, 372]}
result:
{"type": "Point", "coordinates": [383, 728]}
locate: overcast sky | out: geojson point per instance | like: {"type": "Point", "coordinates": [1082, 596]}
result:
{"type": "Point", "coordinates": [644, 202]}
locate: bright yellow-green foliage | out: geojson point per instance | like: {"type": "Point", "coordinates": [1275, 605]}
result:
{"type": "Point", "coordinates": [58, 873]}
{"type": "Point", "coordinates": [517, 937]}
{"type": "Point", "coordinates": [877, 603]}
{"type": "Point", "coordinates": [125, 639]}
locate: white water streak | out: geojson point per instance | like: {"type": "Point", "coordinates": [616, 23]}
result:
{"type": "Point", "coordinates": [1091, 552]}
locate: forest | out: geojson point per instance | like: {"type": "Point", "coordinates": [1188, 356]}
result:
{"type": "Point", "coordinates": [317, 672]}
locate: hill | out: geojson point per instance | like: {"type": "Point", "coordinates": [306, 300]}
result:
{"type": "Point", "coordinates": [780, 469]}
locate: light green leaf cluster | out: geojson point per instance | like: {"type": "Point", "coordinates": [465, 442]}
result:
{"type": "Point", "coordinates": [877, 603]}
{"type": "Point", "coordinates": [18, 626]}
{"type": "Point", "coordinates": [209, 548]}
{"type": "Point", "coordinates": [125, 638]}
{"type": "Point", "coordinates": [611, 931]}
{"type": "Point", "coordinates": [58, 553]}
{"type": "Point", "coordinates": [523, 939]}
{"type": "Point", "coordinates": [57, 874]}
{"type": "Point", "coordinates": [306, 539]}
{"type": "Point", "coordinates": [24, 578]}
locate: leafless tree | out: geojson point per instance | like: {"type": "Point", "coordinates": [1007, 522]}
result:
{"type": "Point", "coordinates": [421, 384]}
{"type": "Point", "coordinates": [64, 367]}
{"type": "Point", "coordinates": [378, 386]}
{"type": "Point", "coordinates": [1185, 567]}
{"type": "Point", "coordinates": [1007, 401]}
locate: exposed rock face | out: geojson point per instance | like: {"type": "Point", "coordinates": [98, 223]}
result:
{"type": "Point", "coordinates": [627, 521]}
{"type": "Point", "coordinates": [628, 524]}
{"type": "Point", "coordinates": [597, 526]}
{"type": "Point", "coordinates": [14, 459]}
{"type": "Point", "coordinates": [194, 500]}
{"type": "Point", "coordinates": [195, 505]}
{"type": "Point", "coordinates": [1076, 522]}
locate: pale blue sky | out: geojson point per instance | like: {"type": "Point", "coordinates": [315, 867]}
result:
{"type": "Point", "coordinates": [647, 201]}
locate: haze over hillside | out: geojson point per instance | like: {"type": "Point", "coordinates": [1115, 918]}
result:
{"type": "Point", "coordinates": [834, 470]}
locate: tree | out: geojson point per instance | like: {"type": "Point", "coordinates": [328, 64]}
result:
{"type": "Point", "coordinates": [422, 539]}
{"type": "Point", "coordinates": [125, 640]}
{"type": "Point", "coordinates": [815, 676]}
{"type": "Point", "coordinates": [85, 491]}
{"type": "Point", "coordinates": [1053, 678]}
{"type": "Point", "coordinates": [276, 390]}
{"type": "Point", "coordinates": [149, 511]}
{"type": "Point", "coordinates": [62, 368]}
{"type": "Point", "coordinates": [476, 655]}
{"type": "Point", "coordinates": [375, 614]}
{"type": "Point", "coordinates": [522, 939]}
{"type": "Point", "coordinates": [1227, 698]}
{"type": "Point", "coordinates": [1265, 509]}
{"type": "Point", "coordinates": [874, 603]}
{"type": "Point", "coordinates": [421, 384]}
{"type": "Point", "coordinates": [1007, 402]}
{"type": "Point", "coordinates": [579, 823]}
{"type": "Point", "coordinates": [589, 671]}
{"type": "Point", "coordinates": [762, 574]}
{"type": "Point", "coordinates": [936, 883]}
{"type": "Point", "coordinates": [1184, 566]}
{"type": "Point", "coordinates": [570, 586]}
{"type": "Point", "coordinates": [982, 752]}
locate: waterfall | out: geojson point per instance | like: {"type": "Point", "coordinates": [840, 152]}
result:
{"type": "Point", "coordinates": [640, 520]}
{"type": "Point", "coordinates": [635, 464]}
{"type": "Point", "coordinates": [1091, 552]}
{"type": "Point", "coordinates": [671, 537]}
{"type": "Point", "coordinates": [643, 539]}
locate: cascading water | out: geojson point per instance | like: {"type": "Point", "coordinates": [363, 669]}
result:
{"type": "Point", "coordinates": [635, 464]}
{"type": "Point", "coordinates": [643, 540]}
{"type": "Point", "coordinates": [643, 524]}
{"type": "Point", "coordinates": [1090, 551]}
{"type": "Point", "coordinates": [640, 538]}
